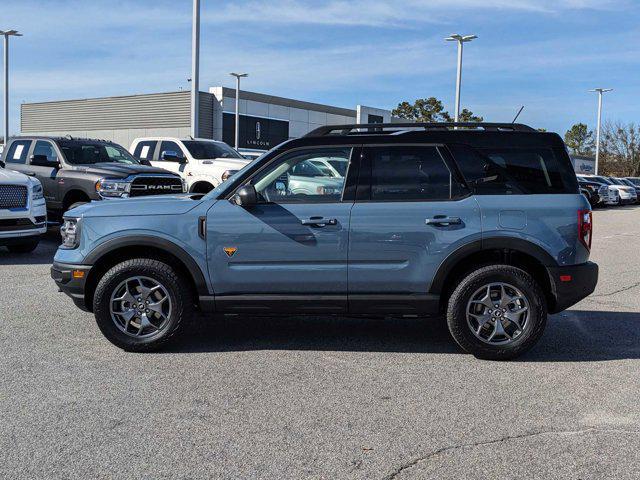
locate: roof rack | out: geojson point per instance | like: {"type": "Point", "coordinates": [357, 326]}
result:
{"type": "Point", "coordinates": [398, 128]}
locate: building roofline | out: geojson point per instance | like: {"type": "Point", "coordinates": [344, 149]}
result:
{"type": "Point", "coordinates": [286, 102]}
{"type": "Point", "coordinates": [112, 97]}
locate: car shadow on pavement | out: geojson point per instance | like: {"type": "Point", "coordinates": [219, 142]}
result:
{"type": "Point", "coordinates": [572, 336]}
{"type": "Point", "coordinates": [43, 254]}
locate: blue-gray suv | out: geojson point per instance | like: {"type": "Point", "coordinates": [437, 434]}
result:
{"type": "Point", "coordinates": [481, 223]}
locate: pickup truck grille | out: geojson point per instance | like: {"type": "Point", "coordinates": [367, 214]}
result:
{"type": "Point", "coordinates": [155, 186]}
{"type": "Point", "coordinates": [13, 196]}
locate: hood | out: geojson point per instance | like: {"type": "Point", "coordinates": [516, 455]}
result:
{"type": "Point", "coordinates": [228, 163]}
{"type": "Point", "coordinates": [139, 206]}
{"type": "Point", "coordinates": [15, 178]}
{"type": "Point", "coordinates": [118, 170]}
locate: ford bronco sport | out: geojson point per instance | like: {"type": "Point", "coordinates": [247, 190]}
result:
{"type": "Point", "coordinates": [483, 223]}
{"type": "Point", "coordinates": [77, 170]}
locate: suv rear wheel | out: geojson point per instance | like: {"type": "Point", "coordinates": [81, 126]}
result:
{"type": "Point", "coordinates": [497, 312]}
{"type": "Point", "coordinates": [141, 304]}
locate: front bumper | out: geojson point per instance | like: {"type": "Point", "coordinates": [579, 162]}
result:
{"type": "Point", "coordinates": [571, 284]}
{"type": "Point", "coordinates": [71, 280]}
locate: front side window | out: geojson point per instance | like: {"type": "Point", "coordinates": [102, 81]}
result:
{"type": "Point", "coordinates": [45, 148]}
{"type": "Point", "coordinates": [294, 178]}
{"type": "Point", "coordinates": [78, 152]}
{"type": "Point", "coordinates": [171, 149]}
{"type": "Point", "coordinates": [208, 150]}
{"type": "Point", "coordinates": [411, 173]}
{"type": "Point", "coordinates": [17, 152]}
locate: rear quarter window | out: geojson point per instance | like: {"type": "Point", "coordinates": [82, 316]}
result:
{"type": "Point", "coordinates": [515, 171]}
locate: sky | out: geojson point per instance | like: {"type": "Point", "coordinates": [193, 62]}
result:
{"type": "Point", "coordinates": [543, 54]}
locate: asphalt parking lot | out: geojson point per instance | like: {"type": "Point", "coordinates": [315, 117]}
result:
{"type": "Point", "coordinates": [321, 398]}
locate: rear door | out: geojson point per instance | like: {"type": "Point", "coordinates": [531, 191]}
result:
{"type": "Point", "coordinates": [412, 210]}
{"type": "Point", "coordinates": [145, 149]}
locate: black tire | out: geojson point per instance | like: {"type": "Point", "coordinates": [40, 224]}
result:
{"type": "Point", "coordinates": [26, 247]}
{"type": "Point", "coordinates": [178, 288]}
{"type": "Point", "coordinates": [457, 312]}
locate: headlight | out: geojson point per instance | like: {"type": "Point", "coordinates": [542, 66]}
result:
{"type": "Point", "coordinates": [228, 174]}
{"type": "Point", "coordinates": [113, 188]}
{"type": "Point", "coordinates": [70, 232]}
{"type": "Point", "coordinates": [36, 192]}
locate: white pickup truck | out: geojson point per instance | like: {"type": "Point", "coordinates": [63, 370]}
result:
{"type": "Point", "coordinates": [23, 214]}
{"type": "Point", "coordinates": [202, 163]}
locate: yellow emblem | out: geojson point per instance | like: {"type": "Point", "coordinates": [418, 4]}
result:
{"type": "Point", "coordinates": [230, 251]}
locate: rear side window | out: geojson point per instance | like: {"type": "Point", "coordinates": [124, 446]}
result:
{"type": "Point", "coordinates": [17, 152]}
{"type": "Point", "coordinates": [144, 150]}
{"type": "Point", "coordinates": [412, 174]}
{"type": "Point", "coordinates": [512, 171]}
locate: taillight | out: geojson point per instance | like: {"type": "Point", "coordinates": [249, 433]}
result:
{"type": "Point", "coordinates": [585, 227]}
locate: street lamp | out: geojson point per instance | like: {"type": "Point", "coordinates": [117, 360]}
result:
{"type": "Point", "coordinates": [238, 77]}
{"type": "Point", "coordinates": [460, 39]}
{"type": "Point", "coordinates": [7, 34]}
{"type": "Point", "coordinates": [600, 92]}
{"type": "Point", "coordinates": [195, 69]}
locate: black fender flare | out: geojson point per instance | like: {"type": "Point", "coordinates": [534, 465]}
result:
{"type": "Point", "coordinates": [156, 242]}
{"type": "Point", "coordinates": [491, 243]}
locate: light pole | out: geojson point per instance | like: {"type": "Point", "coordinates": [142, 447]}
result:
{"type": "Point", "coordinates": [195, 69]}
{"type": "Point", "coordinates": [7, 34]}
{"type": "Point", "coordinates": [600, 92]}
{"type": "Point", "coordinates": [460, 39]}
{"type": "Point", "coordinates": [238, 77]}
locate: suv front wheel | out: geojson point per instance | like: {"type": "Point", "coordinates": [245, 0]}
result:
{"type": "Point", "coordinates": [497, 312]}
{"type": "Point", "coordinates": [140, 304]}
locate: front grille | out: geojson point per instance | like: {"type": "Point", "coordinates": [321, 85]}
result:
{"type": "Point", "coordinates": [11, 224]}
{"type": "Point", "coordinates": [155, 186]}
{"type": "Point", "coordinates": [13, 196]}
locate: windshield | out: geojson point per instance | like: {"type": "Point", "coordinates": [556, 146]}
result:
{"type": "Point", "coordinates": [203, 150]}
{"type": "Point", "coordinates": [78, 152]}
{"type": "Point", "coordinates": [603, 180]}
{"type": "Point", "coordinates": [635, 181]}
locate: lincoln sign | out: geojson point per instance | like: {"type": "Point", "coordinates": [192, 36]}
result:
{"type": "Point", "coordinates": [255, 132]}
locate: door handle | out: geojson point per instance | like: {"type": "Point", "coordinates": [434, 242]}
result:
{"type": "Point", "coordinates": [443, 220]}
{"type": "Point", "coordinates": [319, 221]}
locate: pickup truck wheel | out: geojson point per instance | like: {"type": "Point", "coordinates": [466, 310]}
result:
{"type": "Point", "coordinates": [497, 312]}
{"type": "Point", "coordinates": [141, 304]}
{"type": "Point", "coordinates": [26, 247]}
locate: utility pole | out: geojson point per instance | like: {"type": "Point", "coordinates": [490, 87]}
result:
{"type": "Point", "coordinates": [238, 77]}
{"type": "Point", "coordinates": [600, 91]}
{"type": "Point", "coordinates": [6, 34]}
{"type": "Point", "coordinates": [461, 39]}
{"type": "Point", "coordinates": [195, 69]}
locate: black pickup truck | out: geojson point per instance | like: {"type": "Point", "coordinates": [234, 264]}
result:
{"type": "Point", "coordinates": [77, 170]}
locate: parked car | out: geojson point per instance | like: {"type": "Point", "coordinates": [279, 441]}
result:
{"type": "Point", "coordinates": [202, 163]}
{"type": "Point", "coordinates": [629, 183]}
{"type": "Point", "coordinates": [484, 224]}
{"type": "Point", "coordinates": [609, 193]}
{"type": "Point", "coordinates": [74, 171]}
{"type": "Point", "coordinates": [591, 191]}
{"type": "Point", "coordinates": [627, 193]}
{"type": "Point", "coordinates": [23, 214]}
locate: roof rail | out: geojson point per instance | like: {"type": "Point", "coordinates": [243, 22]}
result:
{"type": "Point", "coordinates": [396, 128]}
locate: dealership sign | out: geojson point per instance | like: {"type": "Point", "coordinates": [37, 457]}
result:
{"type": "Point", "coordinates": [255, 132]}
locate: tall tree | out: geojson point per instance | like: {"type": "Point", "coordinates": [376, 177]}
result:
{"type": "Point", "coordinates": [430, 110]}
{"type": "Point", "coordinates": [580, 139]}
{"type": "Point", "coordinates": [620, 149]}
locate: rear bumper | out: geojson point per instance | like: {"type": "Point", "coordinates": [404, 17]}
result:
{"type": "Point", "coordinates": [571, 284]}
{"type": "Point", "coordinates": [71, 280]}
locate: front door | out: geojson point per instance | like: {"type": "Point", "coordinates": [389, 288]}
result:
{"type": "Point", "coordinates": [411, 212]}
{"type": "Point", "coordinates": [288, 252]}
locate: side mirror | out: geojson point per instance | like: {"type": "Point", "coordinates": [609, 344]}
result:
{"type": "Point", "coordinates": [172, 156]}
{"type": "Point", "coordinates": [43, 161]}
{"type": "Point", "coordinates": [246, 196]}
{"type": "Point", "coordinates": [2, 164]}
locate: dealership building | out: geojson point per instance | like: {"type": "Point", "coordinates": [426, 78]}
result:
{"type": "Point", "coordinates": [265, 120]}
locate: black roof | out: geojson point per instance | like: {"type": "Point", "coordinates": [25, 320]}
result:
{"type": "Point", "coordinates": [400, 128]}
{"type": "Point", "coordinates": [59, 138]}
